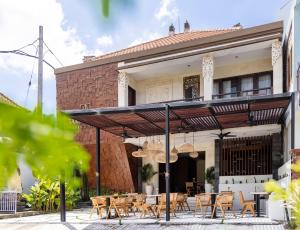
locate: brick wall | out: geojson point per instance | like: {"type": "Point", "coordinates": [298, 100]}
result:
{"type": "Point", "coordinates": [93, 88]}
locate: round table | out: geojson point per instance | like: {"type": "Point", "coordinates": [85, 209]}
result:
{"type": "Point", "coordinates": [257, 196]}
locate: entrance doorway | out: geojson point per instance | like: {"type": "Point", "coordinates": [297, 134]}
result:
{"type": "Point", "coordinates": [185, 169]}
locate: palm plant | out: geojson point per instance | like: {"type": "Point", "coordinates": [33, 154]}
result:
{"type": "Point", "coordinates": [210, 175]}
{"type": "Point", "coordinates": [147, 173]}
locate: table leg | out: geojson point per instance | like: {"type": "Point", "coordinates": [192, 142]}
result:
{"type": "Point", "coordinates": [107, 206]}
{"type": "Point", "coordinates": [257, 201]}
{"type": "Point", "coordinates": [156, 200]}
{"type": "Point", "coordinates": [213, 201]}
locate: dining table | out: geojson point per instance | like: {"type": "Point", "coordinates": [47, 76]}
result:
{"type": "Point", "coordinates": [156, 196]}
{"type": "Point", "coordinates": [257, 197]}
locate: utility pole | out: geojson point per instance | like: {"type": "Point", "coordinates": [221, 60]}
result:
{"type": "Point", "coordinates": [40, 69]}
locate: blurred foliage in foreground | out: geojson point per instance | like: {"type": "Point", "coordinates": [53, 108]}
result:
{"type": "Point", "coordinates": [45, 142]}
{"type": "Point", "coordinates": [45, 196]}
{"type": "Point", "coordinates": [290, 195]}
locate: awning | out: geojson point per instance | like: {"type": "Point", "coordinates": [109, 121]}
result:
{"type": "Point", "coordinates": [186, 116]}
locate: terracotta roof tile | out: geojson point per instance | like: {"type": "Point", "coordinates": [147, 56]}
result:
{"type": "Point", "coordinates": [166, 41]}
{"type": "Point", "coordinates": [4, 99]}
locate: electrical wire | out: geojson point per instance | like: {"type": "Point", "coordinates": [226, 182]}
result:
{"type": "Point", "coordinates": [53, 54]}
{"type": "Point", "coordinates": [30, 79]}
{"type": "Point", "coordinates": [19, 52]}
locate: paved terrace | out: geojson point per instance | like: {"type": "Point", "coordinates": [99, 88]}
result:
{"type": "Point", "coordinates": [80, 219]}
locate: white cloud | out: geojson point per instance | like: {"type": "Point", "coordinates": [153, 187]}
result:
{"type": "Point", "coordinates": [19, 24]}
{"type": "Point", "coordinates": [105, 40]}
{"type": "Point", "coordinates": [168, 10]}
{"type": "Point", "coordinates": [145, 37]}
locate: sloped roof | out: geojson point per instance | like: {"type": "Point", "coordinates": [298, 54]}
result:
{"type": "Point", "coordinates": [6, 100]}
{"type": "Point", "coordinates": [182, 42]}
{"type": "Point", "coordinates": [167, 41]}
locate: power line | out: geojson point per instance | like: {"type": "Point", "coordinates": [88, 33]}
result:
{"type": "Point", "coordinates": [30, 79]}
{"type": "Point", "coordinates": [19, 52]}
{"type": "Point", "coordinates": [53, 54]}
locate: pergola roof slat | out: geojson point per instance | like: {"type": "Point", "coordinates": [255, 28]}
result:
{"type": "Point", "coordinates": [149, 119]}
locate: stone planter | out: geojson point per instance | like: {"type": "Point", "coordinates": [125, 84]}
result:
{"type": "Point", "coordinates": [149, 189]}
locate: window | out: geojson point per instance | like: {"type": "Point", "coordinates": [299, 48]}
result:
{"type": "Point", "coordinates": [264, 84]}
{"type": "Point", "coordinates": [247, 85]}
{"type": "Point", "coordinates": [191, 87]}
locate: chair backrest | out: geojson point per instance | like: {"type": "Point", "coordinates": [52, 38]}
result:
{"type": "Point", "coordinates": [242, 200]}
{"type": "Point", "coordinates": [189, 185]}
{"type": "Point", "coordinates": [180, 197]}
{"type": "Point", "coordinates": [203, 198]}
{"type": "Point", "coordinates": [98, 200]}
{"type": "Point", "coordinates": [226, 198]}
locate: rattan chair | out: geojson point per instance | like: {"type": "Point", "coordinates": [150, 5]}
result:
{"type": "Point", "coordinates": [140, 205]}
{"type": "Point", "coordinates": [162, 204]}
{"type": "Point", "coordinates": [246, 205]}
{"type": "Point", "coordinates": [189, 186]}
{"type": "Point", "coordinates": [98, 203]}
{"type": "Point", "coordinates": [203, 201]}
{"type": "Point", "coordinates": [182, 201]}
{"type": "Point", "coordinates": [120, 205]}
{"type": "Point", "coordinates": [224, 202]}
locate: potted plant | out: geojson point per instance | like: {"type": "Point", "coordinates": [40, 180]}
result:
{"type": "Point", "coordinates": [147, 174]}
{"type": "Point", "coordinates": [210, 179]}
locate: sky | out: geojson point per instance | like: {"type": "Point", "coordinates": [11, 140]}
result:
{"type": "Point", "coordinates": [75, 28]}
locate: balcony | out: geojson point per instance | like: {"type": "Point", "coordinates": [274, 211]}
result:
{"type": "Point", "coordinates": [252, 92]}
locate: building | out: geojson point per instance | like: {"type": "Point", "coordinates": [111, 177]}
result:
{"type": "Point", "coordinates": [227, 94]}
{"type": "Point", "coordinates": [23, 179]}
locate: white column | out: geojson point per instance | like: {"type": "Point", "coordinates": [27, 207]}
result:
{"type": "Point", "coordinates": [207, 74]}
{"type": "Point", "coordinates": [122, 89]}
{"type": "Point", "coordinates": [277, 67]}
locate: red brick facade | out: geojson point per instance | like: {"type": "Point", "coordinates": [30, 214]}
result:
{"type": "Point", "coordinates": [93, 88]}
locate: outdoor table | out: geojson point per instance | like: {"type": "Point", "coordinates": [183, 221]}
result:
{"type": "Point", "coordinates": [257, 201]}
{"type": "Point", "coordinates": [156, 197]}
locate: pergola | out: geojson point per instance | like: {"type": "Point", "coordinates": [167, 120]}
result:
{"type": "Point", "coordinates": [182, 117]}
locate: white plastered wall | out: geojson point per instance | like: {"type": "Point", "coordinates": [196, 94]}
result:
{"type": "Point", "coordinates": [164, 88]}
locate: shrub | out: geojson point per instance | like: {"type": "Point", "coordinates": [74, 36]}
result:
{"type": "Point", "coordinates": [45, 195]}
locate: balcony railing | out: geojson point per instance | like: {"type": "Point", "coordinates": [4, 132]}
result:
{"type": "Point", "coordinates": [256, 92]}
{"type": "Point", "coordinates": [181, 100]}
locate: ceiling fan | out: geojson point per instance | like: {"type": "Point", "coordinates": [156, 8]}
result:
{"type": "Point", "coordinates": [222, 135]}
{"type": "Point", "coordinates": [124, 134]}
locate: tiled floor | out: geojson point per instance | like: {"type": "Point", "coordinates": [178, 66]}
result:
{"type": "Point", "coordinates": [80, 219]}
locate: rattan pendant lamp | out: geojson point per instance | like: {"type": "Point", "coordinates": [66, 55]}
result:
{"type": "Point", "coordinates": [185, 147]}
{"type": "Point", "coordinates": [193, 154]}
{"type": "Point", "coordinates": [140, 152]}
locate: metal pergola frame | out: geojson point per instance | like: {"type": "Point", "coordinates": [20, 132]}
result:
{"type": "Point", "coordinates": [273, 107]}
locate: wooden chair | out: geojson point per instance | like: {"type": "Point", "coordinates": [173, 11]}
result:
{"type": "Point", "coordinates": [162, 204]}
{"type": "Point", "coordinates": [182, 201]}
{"type": "Point", "coordinates": [140, 205]}
{"type": "Point", "coordinates": [247, 205]}
{"type": "Point", "coordinates": [189, 186]}
{"type": "Point", "coordinates": [224, 202]}
{"type": "Point", "coordinates": [230, 205]}
{"type": "Point", "coordinates": [98, 203]}
{"type": "Point", "coordinates": [120, 205]}
{"type": "Point", "coordinates": [203, 201]}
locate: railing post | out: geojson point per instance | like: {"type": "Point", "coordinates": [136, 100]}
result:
{"type": "Point", "coordinates": [167, 174]}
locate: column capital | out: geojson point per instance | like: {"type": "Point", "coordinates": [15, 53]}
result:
{"type": "Point", "coordinates": [122, 79]}
{"type": "Point", "coordinates": [276, 51]}
{"type": "Point", "coordinates": [207, 66]}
